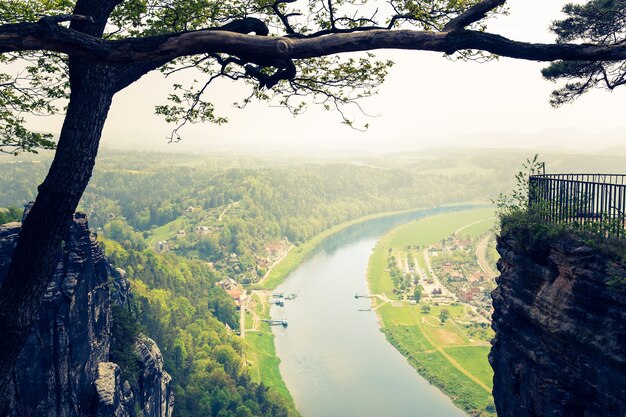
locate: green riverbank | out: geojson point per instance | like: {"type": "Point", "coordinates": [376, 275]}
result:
{"type": "Point", "coordinates": [443, 353]}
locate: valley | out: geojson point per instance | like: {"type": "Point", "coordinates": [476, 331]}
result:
{"type": "Point", "coordinates": [199, 237]}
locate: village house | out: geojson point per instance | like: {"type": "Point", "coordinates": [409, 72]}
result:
{"type": "Point", "coordinates": [262, 262]}
{"type": "Point", "coordinates": [161, 246]}
{"type": "Point", "coordinates": [236, 294]}
{"type": "Point", "coordinates": [276, 249]}
{"type": "Point", "coordinates": [477, 276]}
{"type": "Point", "coordinates": [227, 283]}
{"type": "Point", "coordinates": [232, 288]}
{"type": "Point", "coordinates": [435, 250]}
{"type": "Point", "coordinates": [203, 230]}
{"type": "Point", "coordinates": [469, 294]}
{"type": "Point", "coordinates": [456, 275]}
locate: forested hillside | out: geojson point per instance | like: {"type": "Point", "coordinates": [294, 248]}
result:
{"type": "Point", "coordinates": [178, 305]}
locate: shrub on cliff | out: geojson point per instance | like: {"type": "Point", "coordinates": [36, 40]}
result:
{"type": "Point", "coordinates": [534, 234]}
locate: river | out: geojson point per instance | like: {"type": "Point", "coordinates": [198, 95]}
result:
{"type": "Point", "coordinates": [334, 359]}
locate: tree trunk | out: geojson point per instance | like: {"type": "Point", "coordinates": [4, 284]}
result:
{"type": "Point", "coordinates": [40, 239]}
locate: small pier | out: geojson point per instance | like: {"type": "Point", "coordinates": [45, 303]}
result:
{"type": "Point", "coordinates": [357, 296]}
{"type": "Point", "coordinates": [276, 322]}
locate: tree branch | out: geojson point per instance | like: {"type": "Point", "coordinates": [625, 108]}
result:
{"type": "Point", "coordinates": [473, 14]}
{"type": "Point", "coordinates": [331, 13]}
{"type": "Point", "coordinates": [284, 18]}
{"type": "Point", "coordinates": [246, 25]}
{"type": "Point", "coordinates": [263, 49]}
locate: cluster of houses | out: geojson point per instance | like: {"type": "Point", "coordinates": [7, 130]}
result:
{"type": "Point", "coordinates": [468, 287]}
{"type": "Point", "coordinates": [230, 263]}
{"type": "Point", "coordinates": [465, 279]}
{"type": "Point", "coordinates": [164, 246]}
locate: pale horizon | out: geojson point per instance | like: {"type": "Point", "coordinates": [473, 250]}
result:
{"type": "Point", "coordinates": [427, 101]}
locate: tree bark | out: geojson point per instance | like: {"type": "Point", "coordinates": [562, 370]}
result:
{"type": "Point", "coordinates": [39, 243]}
{"type": "Point", "coordinates": [39, 36]}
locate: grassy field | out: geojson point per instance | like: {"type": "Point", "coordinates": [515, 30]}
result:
{"type": "Point", "coordinates": [479, 229]}
{"type": "Point", "coordinates": [377, 267]}
{"type": "Point", "coordinates": [432, 229]}
{"type": "Point", "coordinates": [422, 264]}
{"type": "Point", "coordinates": [473, 359]}
{"type": "Point", "coordinates": [262, 355]}
{"type": "Point", "coordinates": [265, 367]}
{"type": "Point", "coordinates": [442, 353]}
{"type": "Point", "coordinates": [428, 346]}
{"type": "Point", "coordinates": [166, 231]}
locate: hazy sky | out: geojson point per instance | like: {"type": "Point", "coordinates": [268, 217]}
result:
{"type": "Point", "coordinates": [426, 101]}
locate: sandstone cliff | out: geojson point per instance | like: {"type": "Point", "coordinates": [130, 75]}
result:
{"type": "Point", "coordinates": [64, 369]}
{"type": "Point", "coordinates": [560, 323]}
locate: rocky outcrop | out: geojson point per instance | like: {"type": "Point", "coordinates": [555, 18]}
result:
{"type": "Point", "coordinates": [64, 369]}
{"type": "Point", "coordinates": [153, 380]}
{"type": "Point", "coordinates": [117, 398]}
{"type": "Point", "coordinates": [560, 323]}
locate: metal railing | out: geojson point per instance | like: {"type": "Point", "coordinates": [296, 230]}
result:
{"type": "Point", "coordinates": [593, 201]}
